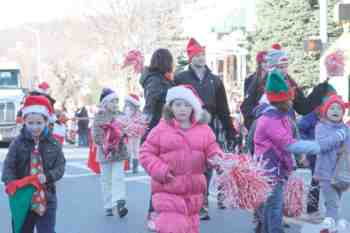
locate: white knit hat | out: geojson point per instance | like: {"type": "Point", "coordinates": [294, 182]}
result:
{"type": "Point", "coordinates": [189, 95]}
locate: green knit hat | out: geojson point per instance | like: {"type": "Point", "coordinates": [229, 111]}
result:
{"type": "Point", "coordinates": [276, 88]}
{"type": "Point", "coordinates": [20, 204]}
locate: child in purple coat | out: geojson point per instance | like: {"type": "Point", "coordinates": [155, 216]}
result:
{"type": "Point", "coordinates": [273, 139]}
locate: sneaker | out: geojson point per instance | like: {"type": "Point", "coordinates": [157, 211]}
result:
{"type": "Point", "coordinates": [315, 217]}
{"type": "Point", "coordinates": [220, 202]}
{"type": "Point", "coordinates": [204, 214]}
{"type": "Point", "coordinates": [120, 209]}
{"type": "Point", "coordinates": [108, 212]}
{"type": "Point", "coordinates": [286, 225]}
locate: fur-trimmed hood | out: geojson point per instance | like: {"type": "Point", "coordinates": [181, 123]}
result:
{"type": "Point", "coordinates": [204, 117]}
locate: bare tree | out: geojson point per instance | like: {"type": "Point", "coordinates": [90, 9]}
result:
{"type": "Point", "coordinates": [145, 25]}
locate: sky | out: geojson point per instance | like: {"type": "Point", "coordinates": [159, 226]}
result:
{"type": "Point", "coordinates": [17, 12]}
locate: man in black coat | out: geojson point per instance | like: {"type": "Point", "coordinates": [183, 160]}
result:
{"type": "Point", "coordinates": [83, 126]}
{"type": "Point", "coordinates": [211, 90]}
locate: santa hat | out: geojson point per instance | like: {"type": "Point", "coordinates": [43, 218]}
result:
{"type": "Point", "coordinates": [188, 94]}
{"type": "Point", "coordinates": [276, 57]}
{"type": "Point", "coordinates": [276, 46]}
{"type": "Point", "coordinates": [107, 95]}
{"type": "Point", "coordinates": [261, 57]}
{"type": "Point", "coordinates": [277, 89]}
{"type": "Point", "coordinates": [331, 100]}
{"type": "Point", "coordinates": [43, 87]}
{"type": "Point", "coordinates": [37, 104]}
{"type": "Point", "coordinates": [194, 48]}
{"type": "Point", "coordinates": [133, 99]}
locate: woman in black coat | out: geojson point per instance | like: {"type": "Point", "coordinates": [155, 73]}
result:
{"type": "Point", "coordinates": [156, 80]}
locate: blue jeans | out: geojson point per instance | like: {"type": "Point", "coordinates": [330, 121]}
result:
{"type": "Point", "coordinates": [83, 139]}
{"type": "Point", "coordinates": [45, 223]}
{"type": "Point", "coordinates": [273, 210]}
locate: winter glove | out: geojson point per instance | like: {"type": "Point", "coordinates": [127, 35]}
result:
{"type": "Point", "coordinates": [304, 147]}
{"type": "Point", "coordinates": [232, 140]}
{"type": "Point", "coordinates": [220, 164]}
{"type": "Point", "coordinates": [11, 188]}
{"type": "Point", "coordinates": [341, 134]}
{"type": "Point", "coordinates": [169, 177]}
{"type": "Point", "coordinates": [42, 178]}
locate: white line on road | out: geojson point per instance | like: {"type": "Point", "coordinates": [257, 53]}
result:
{"type": "Point", "coordinates": [78, 165]}
{"type": "Point", "coordinates": [127, 179]}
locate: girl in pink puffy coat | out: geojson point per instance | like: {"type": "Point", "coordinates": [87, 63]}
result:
{"type": "Point", "coordinates": [175, 155]}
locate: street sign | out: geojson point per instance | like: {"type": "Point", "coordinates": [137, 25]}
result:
{"type": "Point", "coordinates": [342, 12]}
{"type": "Point", "coordinates": [313, 45]}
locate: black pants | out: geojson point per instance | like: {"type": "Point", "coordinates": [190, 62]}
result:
{"type": "Point", "coordinates": [150, 208]}
{"type": "Point", "coordinates": [313, 198]}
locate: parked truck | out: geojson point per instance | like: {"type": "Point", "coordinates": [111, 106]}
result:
{"type": "Point", "coordinates": [11, 97]}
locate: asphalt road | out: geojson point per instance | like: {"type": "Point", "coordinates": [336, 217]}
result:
{"type": "Point", "coordinates": [80, 206]}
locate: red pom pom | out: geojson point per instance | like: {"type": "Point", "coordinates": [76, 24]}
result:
{"type": "Point", "coordinates": [294, 201]}
{"type": "Point", "coordinates": [245, 185]}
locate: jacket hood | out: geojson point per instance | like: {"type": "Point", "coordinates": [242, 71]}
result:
{"type": "Point", "coordinates": [146, 75]}
{"type": "Point", "coordinates": [261, 109]}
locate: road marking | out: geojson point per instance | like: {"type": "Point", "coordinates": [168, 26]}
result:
{"type": "Point", "coordinates": [78, 165]}
{"type": "Point", "coordinates": [127, 179]}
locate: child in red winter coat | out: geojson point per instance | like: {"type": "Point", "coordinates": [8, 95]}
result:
{"type": "Point", "coordinates": [175, 155]}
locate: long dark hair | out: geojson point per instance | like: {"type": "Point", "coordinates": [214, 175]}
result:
{"type": "Point", "coordinates": [162, 61]}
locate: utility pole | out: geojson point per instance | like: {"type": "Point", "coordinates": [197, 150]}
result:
{"type": "Point", "coordinates": [38, 50]}
{"type": "Point", "coordinates": [323, 33]}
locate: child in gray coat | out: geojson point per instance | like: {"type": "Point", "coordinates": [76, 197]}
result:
{"type": "Point", "coordinates": [334, 140]}
{"type": "Point", "coordinates": [112, 172]}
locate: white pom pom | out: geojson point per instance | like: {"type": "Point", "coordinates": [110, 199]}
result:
{"type": "Point", "coordinates": [342, 225]}
{"type": "Point", "coordinates": [328, 223]}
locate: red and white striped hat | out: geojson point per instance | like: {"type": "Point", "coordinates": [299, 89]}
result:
{"type": "Point", "coordinates": [37, 104]}
{"type": "Point", "coordinates": [43, 87]}
{"type": "Point", "coordinates": [133, 99]}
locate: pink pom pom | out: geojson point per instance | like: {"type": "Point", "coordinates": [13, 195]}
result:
{"type": "Point", "coordinates": [245, 185]}
{"type": "Point", "coordinates": [294, 200]}
{"type": "Point", "coordinates": [134, 58]}
{"type": "Point", "coordinates": [335, 64]}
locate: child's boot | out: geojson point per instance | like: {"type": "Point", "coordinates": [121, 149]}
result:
{"type": "Point", "coordinates": [135, 166]}
{"type": "Point", "coordinates": [204, 212]}
{"type": "Point", "coordinates": [120, 209]}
